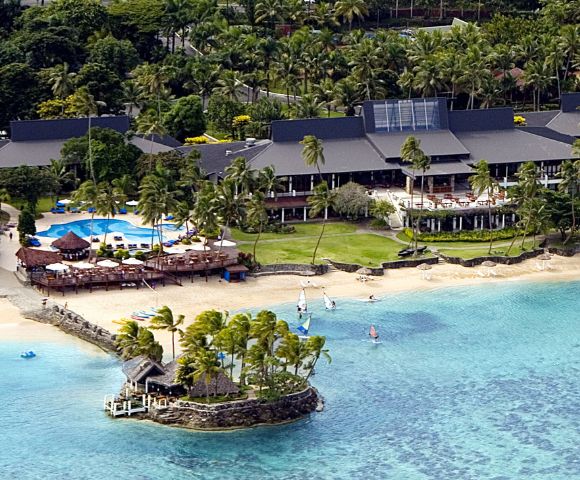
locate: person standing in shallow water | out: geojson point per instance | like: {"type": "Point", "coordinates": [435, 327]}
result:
{"type": "Point", "coordinates": [10, 236]}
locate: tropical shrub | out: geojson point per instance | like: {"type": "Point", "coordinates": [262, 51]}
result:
{"type": "Point", "coordinates": [519, 121]}
{"type": "Point", "coordinates": [140, 255]}
{"type": "Point", "coordinates": [121, 254]}
{"type": "Point", "coordinates": [463, 236]}
{"type": "Point", "coordinates": [196, 140]}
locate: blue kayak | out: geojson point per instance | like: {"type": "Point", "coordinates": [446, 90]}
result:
{"type": "Point", "coordinates": [29, 354]}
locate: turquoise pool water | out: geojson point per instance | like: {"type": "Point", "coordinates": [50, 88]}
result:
{"type": "Point", "coordinates": [83, 229]}
{"type": "Point", "coordinates": [467, 384]}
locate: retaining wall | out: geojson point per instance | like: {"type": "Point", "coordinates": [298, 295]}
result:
{"type": "Point", "coordinates": [291, 269]}
{"type": "Point", "coordinates": [238, 414]}
{"type": "Point", "coordinates": [472, 262]}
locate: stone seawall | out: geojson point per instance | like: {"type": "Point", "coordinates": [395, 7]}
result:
{"type": "Point", "coordinates": [73, 324]}
{"type": "Point", "coordinates": [238, 414]}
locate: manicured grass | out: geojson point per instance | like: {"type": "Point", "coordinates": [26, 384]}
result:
{"type": "Point", "coordinates": [302, 230]}
{"type": "Point", "coordinates": [363, 249]}
{"type": "Point", "coordinates": [44, 204]}
{"type": "Point", "coordinates": [483, 252]}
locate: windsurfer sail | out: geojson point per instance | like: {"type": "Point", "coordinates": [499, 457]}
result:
{"type": "Point", "coordinates": [373, 334]}
{"type": "Point", "coordinates": [328, 303]}
{"type": "Point", "coordinates": [302, 305]}
{"type": "Point", "coordinates": [303, 329]}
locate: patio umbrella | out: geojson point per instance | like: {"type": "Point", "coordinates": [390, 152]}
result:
{"type": "Point", "coordinates": [107, 264]}
{"type": "Point", "coordinates": [424, 267]}
{"type": "Point", "coordinates": [544, 257]}
{"type": "Point", "coordinates": [132, 261]}
{"type": "Point", "coordinates": [199, 247]}
{"type": "Point", "coordinates": [132, 203]}
{"type": "Point", "coordinates": [224, 243]}
{"type": "Point", "coordinates": [66, 201]}
{"type": "Point", "coordinates": [57, 267]}
{"type": "Point", "coordinates": [84, 266]}
{"type": "Point", "coordinates": [174, 250]}
{"type": "Point", "coordinates": [364, 271]}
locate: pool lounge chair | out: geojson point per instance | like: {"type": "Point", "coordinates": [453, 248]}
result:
{"type": "Point", "coordinates": [118, 238]}
{"type": "Point", "coordinates": [122, 211]}
{"type": "Point", "coordinates": [132, 246]}
{"type": "Point", "coordinates": [91, 210]}
{"type": "Point", "coordinates": [120, 246]}
{"type": "Point", "coordinates": [145, 245]}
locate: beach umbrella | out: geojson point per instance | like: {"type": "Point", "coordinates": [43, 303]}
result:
{"type": "Point", "coordinates": [364, 271]}
{"type": "Point", "coordinates": [424, 267]}
{"type": "Point", "coordinates": [107, 264]}
{"type": "Point", "coordinates": [174, 250]}
{"type": "Point", "coordinates": [199, 247]}
{"type": "Point", "coordinates": [544, 257]}
{"type": "Point", "coordinates": [224, 243]}
{"type": "Point", "coordinates": [66, 201]}
{"type": "Point", "coordinates": [132, 203]}
{"type": "Point", "coordinates": [84, 266]}
{"type": "Point", "coordinates": [57, 267]}
{"type": "Point", "coordinates": [132, 261]}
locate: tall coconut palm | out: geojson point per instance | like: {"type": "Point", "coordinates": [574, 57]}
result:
{"type": "Point", "coordinates": [293, 351]}
{"type": "Point", "coordinates": [61, 81]}
{"type": "Point", "coordinates": [482, 181]}
{"type": "Point", "coordinates": [349, 9]}
{"type": "Point", "coordinates": [87, 193]}
{"type": "Point", "coordinates": [242, 176]}
{"type": "Point", "coordinates": [227, 341]}
{"type": "Point", "coordinates": [307, 107]}
{"type": "Point", "coordinates": [256, 216]}
{"type": "Point", "coordinates": [149, 124]}
{"type": "Point", "coordinates": [228, 208]}
{"type": "Point", "coordinates": [85, 104]}
{"type": "Point", "coordinates": [411, 153]}
{"type": "Point", "coordinates": [165, 320]}
{"type": "Point", "coordinates": [228, 84]}
{"type": "Point", "coordinates": [320, 202]}
{"type": "Point", "coordinates": [324, 93]}
{"type": "Point", "coordinates": [107, 202]}
{"type": "Point", "coordinates": [347, 95]}
{"type": "Point", "coordinates": [241, 324]}
{"type": "Point", "coordinates": [268, 182]}
{"type": "Point", "coordinates": [527, 189]}
{"type": "Point", "coordinates": [315, 346]}
{"type": "Point", "coordinates": [313, 153]}
{"type": "Point", "coordinates": [207, 368]}
{"type": "Point", "coordinates": [128, 339]}
{"type": "Point", "coordinates": [570, 175]}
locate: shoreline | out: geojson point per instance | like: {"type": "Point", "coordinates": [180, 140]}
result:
{"type": "Point", "coordinates": [106, 308]}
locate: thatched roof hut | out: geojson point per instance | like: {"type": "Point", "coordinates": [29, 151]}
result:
{"type": "Point", "coordinates": [70, 243]}
{"type": "Point", "coordinates": [31, 258]}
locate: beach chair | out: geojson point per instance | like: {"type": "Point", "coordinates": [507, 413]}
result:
{"type": "Point", "coordinates": [145, 245]}
{"type": "Point", "coordinates": [117, 238]}
{"type": "Point", "coordinates": [122, 211]}
{"type": "Point", "coordinates": [120, 246]}
{"type": "Point", "coordinates": [91, 210]}
{"type": "Point", "coordinates": [132, 246]}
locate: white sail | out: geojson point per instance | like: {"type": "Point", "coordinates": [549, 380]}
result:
{"type": "Point", "coordinates": [328, 303]}
{"type": "Point", "coordinates": [302, 301]}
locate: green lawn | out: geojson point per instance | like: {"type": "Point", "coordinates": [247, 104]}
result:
{"type": "Point", "coordinates": [44, 204]}
{"type": "Point", "coordinates": [483, 251]}
{"type": "Point", "coordinates": [302, 230]}
{"type": "Point", "coordinates": [364, 249]}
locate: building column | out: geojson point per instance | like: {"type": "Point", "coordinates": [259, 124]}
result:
{"type": "Point", "coordinates": [326, 214]}
{"type": "Point", "coordinates": [290, 183]}
{"type": "Point", "coordinates": [454, 223]}
{"type": "Point", "coordinates": [438, 224]}
{"type": "Point", "coordinates": [332, 182]}
{"type": "Point", "coordinates": [430, 182]}
{"type": "Point", "coordinates": [505, 179]}
{"type": "Point", "coordinates": [338, 180]}
{"type": "Point", "coordinates": [503, 221]}
{"type": "Point", "coordinates": [408, 184]}
{"type": "Point", "coordinates": [475, 222]}
{"type": "Point", "coordinates": [460, 223]}
{"type": "Point", "coordinates": [282, 218]}
{"type": "Point", "coordinates": [304, 213]}
{"type": "Point", "coordinates": [452, 182]}
{"type": "Point", "coordinates": [311, 182]}
{"type": "Point", "coordinates": [481, 224]}
{"type": "Point", "coordinates": [513, 218]}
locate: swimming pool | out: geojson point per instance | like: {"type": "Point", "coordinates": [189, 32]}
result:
{"type": "Point", "coordinates": [83, 229]}
{"type": "Point", "coordinates": [475, 383]}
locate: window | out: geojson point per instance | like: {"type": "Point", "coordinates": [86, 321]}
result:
{"type": "Point", "coordinates": [406, 115]}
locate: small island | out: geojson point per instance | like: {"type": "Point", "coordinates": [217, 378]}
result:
{"type": "Point", "coordinates": [233, 373]}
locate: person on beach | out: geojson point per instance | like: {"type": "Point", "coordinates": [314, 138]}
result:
{"type": "Point", "coordinates": [10, 236]}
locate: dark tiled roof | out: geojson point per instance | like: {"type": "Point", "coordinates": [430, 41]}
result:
{"type": "Point", "coordinates": [570, 102]}
{"type": "Point", "coordinates": [63, 128]}
{"type": "Point", "coordinates": [166, 140]}
{"type": "Point", "coordinates": [433, 143]}
{"type": "Point", "coordinates": [507, 146]}
{"type": "Point", "coordinates": [549, 133]}
{"type": "Point", "coordinates": [440, 168]}
{"type": "Point", "coordinates": [566, 123]}
{"type": "Point", "coordinates": [348, 155]}
{"type": "Point", "coordinates": [322, 128]}
{"type": "Point", "coordinates": [34, 154]}
{"type": "Point", "coordinates": [32, 258]}
{"type": "Point", "coordinates": [71, 241]}
{"type": "Point", "coordinates": [146, 146]}
{"type": "Point", "coordinates": [221, 385]}
{"type": "Point", "coordinates": [481, 120]}
{"type": "Point", "coordinates": [215, 157]}
{"type": "Point", "coordinates": [167, 378]}
{"type": "Point", "coordinates": [539, 119]}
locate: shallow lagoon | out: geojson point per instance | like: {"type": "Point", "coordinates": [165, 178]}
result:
{"type": "Point", "coordinates": [469, 383]}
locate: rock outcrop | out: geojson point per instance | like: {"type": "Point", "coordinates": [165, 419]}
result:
{"type": "Point", "coordinates": [238, 414]}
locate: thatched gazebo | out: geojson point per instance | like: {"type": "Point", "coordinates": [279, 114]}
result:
{"type": "Point", "coordinates": [71, 246]}
{"type": "Point", "coordinates": [31, 259]}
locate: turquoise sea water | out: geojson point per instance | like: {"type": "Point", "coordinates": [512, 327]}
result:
{"type": "Point", "coordinates": [468, 384]}
{"type": "Point", "coordinates": [83, 229]}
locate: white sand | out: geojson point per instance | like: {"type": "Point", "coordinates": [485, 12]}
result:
{"type": "Point", "coordinates": [14, 327]}
{"type": "Point", "coordinates": [104, 307]}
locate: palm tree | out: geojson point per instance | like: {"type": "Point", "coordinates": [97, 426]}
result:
{"type": "Point", "coordinates": [228, 341]}
{"type": "Point", "coordinates": [61, 81]}
{"type": "Point", "coordinates": [313, 153]}
{"type": "Point", "coordinates": [315, 346]}
{"type": "Point", "coordinates": [242, 176]}
{"type": "Point", "coordinates": [241, 324]}
{"type": "Point", "coordinates": [319, 202]}
{"type": "Point", "coordinates": [205, 211]}
{"type": "Point", "coordinates": [127, 339]}
{"type": "Point", "coordinates": [293, 351]}
{"type": "Point", "coordinates": [228, 208]}
{"type": "Point", "coordinates": [228, 84]}
{"type": "Point", "coordinates": [85, 104]}
{"type": "Point", "coordinates": [270, 11]}
{"type": "Point", "coordinates": [324, 93]}
{"type": "Point", "coordinates": [88, 194]}
{"type": "Point", "coordinates": [165, 320]}
{"type": "Point", "coordinates": [207, 368]}
{"type": "Point", "coordinates": [411, 153]}
{"type": "Point", "coordinates": [307, 107]}
{"type": "Point", "coordinates": [569, 46]}
{"type": "Point", "coordinates": [268, 182]}
{"type": "Point", "coordinates": [347, 95]}
{"type": "Point", "coordinates": [107, 202]}
{"type": "Point", "coordinates": [570, 175]}
{"type": "Point", "coordinates": [4, 197]}
{"type": "Point", "coordinates": [150, 124]}
{"type": "Point", "coordinates": [482, 181]}
{"type": "Point", "coordinates": [132, 96]}
{"type": "Point", "coordinates": [59, 171]}
{"type": "Point", "coordinates": [257, 216]}
{"type": "Point", "coordinates": [148, 346]}
{"type": "Point", "coordinates": [348, 9]}
{"type": "Point", "coordinates": [125, 185]}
